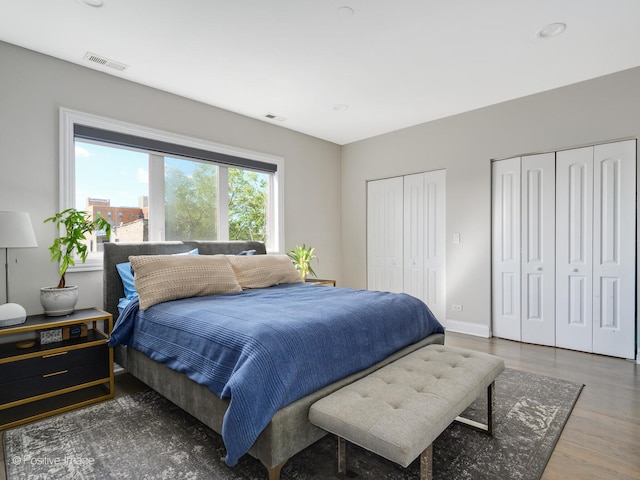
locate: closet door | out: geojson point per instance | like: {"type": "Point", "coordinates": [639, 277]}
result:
{"type": "Point", "coordinates": [538, 248]}
{"type": "Point", "coordinates": [506, 269]}
{"type": "Point", "coordinates": [384, 234]}
{"type": "Point", "coordinates": [414, 236]}
{"type": "Point", "coordinates": [424, 239]}
{"type": "Point", "coordinates": [577, 283]}
{"type": "Point", "coordinates": [574, 253]}
{"type": "Point", "coordinates": [614, 244]}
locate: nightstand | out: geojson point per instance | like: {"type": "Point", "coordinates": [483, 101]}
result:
{"type": "Point", "coordinates": [319, 281]}
{"type": "Point", "coordinates": [38, 380]}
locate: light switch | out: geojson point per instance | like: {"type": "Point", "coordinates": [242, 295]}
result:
{"type": "Point", "coordinates": [456, 238]}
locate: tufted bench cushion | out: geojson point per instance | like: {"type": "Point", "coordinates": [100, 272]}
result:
{"type": "Point", "coordinates": [400, 409]}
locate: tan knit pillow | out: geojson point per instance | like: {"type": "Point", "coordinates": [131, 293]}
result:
{"type": "Point", "coordinates": [160, 278]}
{"type": "Point", "coordinates": [260, 271]}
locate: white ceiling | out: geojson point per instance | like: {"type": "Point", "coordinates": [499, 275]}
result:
{"type": "Point", "coordinates": [393, 63]}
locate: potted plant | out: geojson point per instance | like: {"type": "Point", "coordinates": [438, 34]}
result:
{"type": "Point", "coordinates": [66, 248]}
{"type": "Point", "coordinates": [301, 257]}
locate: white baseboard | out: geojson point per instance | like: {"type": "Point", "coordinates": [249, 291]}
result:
{"type": "Point", "coordinates": [468, 328]}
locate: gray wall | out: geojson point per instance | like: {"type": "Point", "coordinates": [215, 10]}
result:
{"type": "Point", "coordinates": [34, 86]}
{"type": "Point", "coordinates": [604, 109]}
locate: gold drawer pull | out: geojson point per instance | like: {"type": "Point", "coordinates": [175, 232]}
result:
{"type": "Point", "coordinates": [54, 354]}
{"type": "Point", "coordinates": [55, 373]}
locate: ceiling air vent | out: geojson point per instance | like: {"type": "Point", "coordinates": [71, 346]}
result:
{"type": "Point", "coordinates": [105, 62]}
{"type": "Point", "coordinates": [273, 116]}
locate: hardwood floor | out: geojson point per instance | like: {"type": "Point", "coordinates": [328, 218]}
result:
{"type": "Point", "coordinates": [602, 437]}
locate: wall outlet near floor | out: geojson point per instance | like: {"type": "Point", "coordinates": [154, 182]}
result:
{"type": "Point", "coordinates": [456, 308]}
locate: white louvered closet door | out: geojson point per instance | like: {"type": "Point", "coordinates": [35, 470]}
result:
{"type": "Point", "coordinates": [614, 244]}
{"type": "Point", "coordinates": [506, 272]}
{"type": "Point", "coordinates": [538, 248]}
{"type": "Point", "coordinates": [384, 234]}
{"type": "Point", "coordinates": [424, 239]}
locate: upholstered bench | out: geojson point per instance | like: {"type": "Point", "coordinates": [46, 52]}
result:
{"type": "Point", "coordinates": [399, 410]}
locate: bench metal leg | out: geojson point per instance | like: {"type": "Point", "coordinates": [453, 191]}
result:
{"type": "Point", "coordinates": [341, 456]}
{"type": "Point", "coordinates": [426, 460]}
{"type": "Point", "coordinates": [426, 463]}
{"type": "Point", "coordinates": [488, 428]}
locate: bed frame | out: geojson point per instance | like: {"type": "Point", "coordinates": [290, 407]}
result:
{"type": "Point", "coordinates": [289, 431]}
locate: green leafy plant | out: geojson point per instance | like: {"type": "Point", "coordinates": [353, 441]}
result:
{"type": "Point", "coordinates": [301, 257]}
{"type": "Point", "coordinates": [76, 225]}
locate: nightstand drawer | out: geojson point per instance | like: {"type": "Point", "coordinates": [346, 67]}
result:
{"type": "Point", "coordinates": [52, 362]}
{"type": "Point", "coordinates": [46, 375]}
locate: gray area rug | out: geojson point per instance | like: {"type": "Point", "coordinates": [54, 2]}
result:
{"type": "Point", "coordinates": [143, 436]}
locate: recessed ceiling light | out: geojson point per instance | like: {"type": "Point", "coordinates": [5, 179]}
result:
{"type": "Point", "coordinates": [552, 30]}
{"type": "Point", "coordinates": [341, 107]}
{"type": "Point", "coordinates": [93, 3]}
{"type": "Point", "coordinates": [345, 12]}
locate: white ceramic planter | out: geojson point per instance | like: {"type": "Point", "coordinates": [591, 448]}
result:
{"type": "Point", "coordinates": [59, 301]}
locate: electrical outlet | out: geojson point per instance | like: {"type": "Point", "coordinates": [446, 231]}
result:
{"type": "Point", "coordinates": [456, 308]}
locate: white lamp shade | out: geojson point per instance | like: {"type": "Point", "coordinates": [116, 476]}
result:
{"type": "Point", "coordinates": [16, 230]}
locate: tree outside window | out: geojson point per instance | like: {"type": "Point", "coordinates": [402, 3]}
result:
{"type": "Point", "coordinates": [247, 205]}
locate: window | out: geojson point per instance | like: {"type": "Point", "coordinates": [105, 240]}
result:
{"type": "Point", "coordinates": [161, 186]}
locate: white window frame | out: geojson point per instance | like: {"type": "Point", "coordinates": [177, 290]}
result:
{"type": "Point", "coordinates": [69, 118]}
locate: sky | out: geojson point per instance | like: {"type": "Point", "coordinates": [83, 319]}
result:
{"type": "Point", "coordinates": [110, 173]}
{"type": "Point", "coordinates": [117, 174]}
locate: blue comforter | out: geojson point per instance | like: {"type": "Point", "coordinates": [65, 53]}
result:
{"type": "Point", "coordinates": [266, 348]}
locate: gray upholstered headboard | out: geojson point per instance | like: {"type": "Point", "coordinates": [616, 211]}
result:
{"type": "Point", "coordinates": [115, 253]}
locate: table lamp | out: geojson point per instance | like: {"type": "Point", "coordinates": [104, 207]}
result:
{"type": "Point", "coordinates": [16, 231]}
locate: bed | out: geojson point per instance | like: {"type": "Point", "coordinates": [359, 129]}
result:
{"type": "Point", "coordinates": [288, 431]}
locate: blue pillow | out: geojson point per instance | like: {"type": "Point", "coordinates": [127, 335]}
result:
{"type": "Point", "coordinates": [130, 292]}
{"type": "Point", "coordinates": [126, 275]}
{"type": "Point", "coordinates": [247, 252]}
